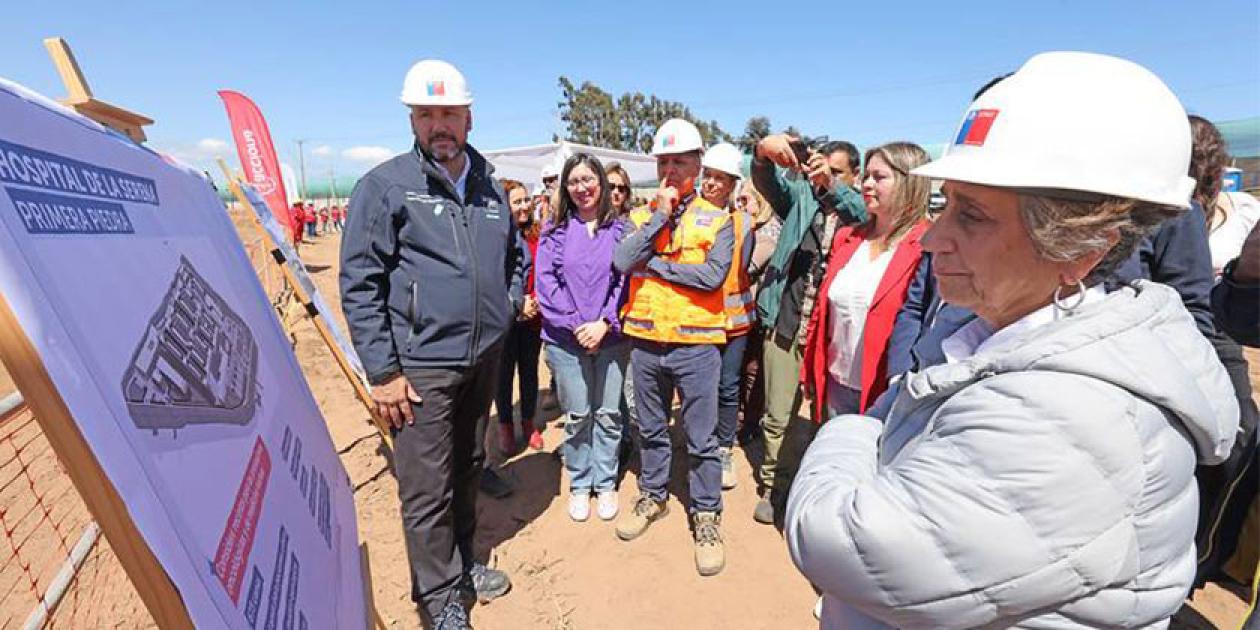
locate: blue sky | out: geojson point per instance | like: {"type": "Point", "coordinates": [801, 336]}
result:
{"type": "Point", "coordinates": [869, 72]}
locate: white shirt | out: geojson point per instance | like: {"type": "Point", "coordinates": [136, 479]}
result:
{"type": "Point", "coordinates": [849, 300]}
{"type": "Point", "coordinates": [461, 182]}
{"type": "Point", "coordinates": [1226, 239]}
{"type": "Point", "coordinates": [977, 335]}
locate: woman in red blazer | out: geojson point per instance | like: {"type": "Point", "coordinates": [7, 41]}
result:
{"type": "Point", "coordinates": [871, 265]}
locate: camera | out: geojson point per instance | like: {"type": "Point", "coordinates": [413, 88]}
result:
{"type": "Point", "coordinates": [804, 145]}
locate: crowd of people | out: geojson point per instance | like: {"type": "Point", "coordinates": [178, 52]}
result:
{"type": "Point", "coordinates": [309, 221]}
{"type": "Point", "coordinates": [1018, 406]}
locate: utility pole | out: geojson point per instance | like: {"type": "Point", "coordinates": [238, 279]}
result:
{"type": "Point", "coordinates": [302, 168]}
{"type": "Point", "coordinates": [332, 184]}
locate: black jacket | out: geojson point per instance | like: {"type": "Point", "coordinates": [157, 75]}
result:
{"type": "Point", "coordinates": [427, 281]}
{"type": "Point", "coordinates": [1236, 307]}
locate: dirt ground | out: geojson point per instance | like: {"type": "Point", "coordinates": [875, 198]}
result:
{"type": "Point", "coordinates": [578, 575]}
{"type": "Point", "coordinates": [566, 575]}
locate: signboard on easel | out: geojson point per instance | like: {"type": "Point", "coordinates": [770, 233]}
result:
{"type": "Point", "coordinates": [304, 290]}
{"type": "Point", "coordinates": [132, 320]}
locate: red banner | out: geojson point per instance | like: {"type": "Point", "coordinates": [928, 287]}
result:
{"type": "Point", "coordinates": [257, 153]}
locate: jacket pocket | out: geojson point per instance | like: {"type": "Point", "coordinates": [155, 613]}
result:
{"type": "Point", "coordinates": [459, 249]}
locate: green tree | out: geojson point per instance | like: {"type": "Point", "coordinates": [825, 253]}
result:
{"type": "Point", "coordinates": [589, 114]}
{"type": "Point", "coordinates": [627, 122]}
{"type": "Point", "coordinates": [757, 128]}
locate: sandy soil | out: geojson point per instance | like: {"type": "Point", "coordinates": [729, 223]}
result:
{"type": "Point", "coordinates": [578, 575]}
{"type": "Point", "coordinates": [565, 574]}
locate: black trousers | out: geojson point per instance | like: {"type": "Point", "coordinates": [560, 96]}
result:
{"type": "Point", "coordinates": [438, 462]}
{"type": "Point", "coordinates": [520, 356]}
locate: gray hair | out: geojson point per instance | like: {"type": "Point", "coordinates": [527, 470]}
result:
{"type": "Point", "coordinates": [1066, 227]}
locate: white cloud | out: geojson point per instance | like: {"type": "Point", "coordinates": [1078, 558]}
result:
{"type": "Point", "coordinates": [200, 154]}
{"type": "Point", "coordinates": [367, 154]}
{"type": "Point", "coordinates": [212, 146]}
{"type": "Point", "coordinates": [322, 150]}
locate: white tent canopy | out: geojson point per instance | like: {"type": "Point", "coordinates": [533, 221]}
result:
{"type": "Point", "coordinates": [525, 164]}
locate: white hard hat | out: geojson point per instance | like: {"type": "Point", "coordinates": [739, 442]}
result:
{"type": "Point", "coordinates": [549, 171]}
{"type": "Point", "coordinates": [435, 82]}
{"type": "Point", "coordinates": [724, 157]}
{"type": "Point", "coordinates": [676, 136]}
{"type": "Point", "coordinates": [1075, 121]}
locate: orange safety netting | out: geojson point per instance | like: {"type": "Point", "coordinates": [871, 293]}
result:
{"type": "Point", "coordinates": [55, 569]}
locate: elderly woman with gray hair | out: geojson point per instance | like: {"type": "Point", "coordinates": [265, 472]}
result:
{"type": "Point", "coordinates": [1043, 476]}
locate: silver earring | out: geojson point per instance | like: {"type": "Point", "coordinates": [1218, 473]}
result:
{"type": "Point", "coordinates": [1079, 298]}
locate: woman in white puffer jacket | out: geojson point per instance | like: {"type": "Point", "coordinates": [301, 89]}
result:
{"type": "Point", "coordinates": [1043, 477]}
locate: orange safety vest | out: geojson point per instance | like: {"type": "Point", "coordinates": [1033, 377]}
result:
{"type": "Point", "coordinates": [661, 311]}
{"type": "Point", "coordinates": [737, 288]}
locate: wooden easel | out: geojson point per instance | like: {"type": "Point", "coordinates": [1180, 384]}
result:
{"type": "Point", "coordinates": [79, 95]}
{"type": "Point", "coordinates": [26, 367]}
{"type": "Point", "coordinates": [311, 310]}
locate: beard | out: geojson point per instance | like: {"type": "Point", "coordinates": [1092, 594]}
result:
{"type": "Point", "coordinates": [447, 150]}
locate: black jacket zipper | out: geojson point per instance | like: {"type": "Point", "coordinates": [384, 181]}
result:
{"type": "Point", "coordinates": [472, 252]}
{"type": "Point", "coordinates": [411, 314]}
{"type": "Point", "coordinates": [472, 258]}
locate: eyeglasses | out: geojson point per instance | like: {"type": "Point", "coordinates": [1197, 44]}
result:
{"type": "Point", "coordinates": [619, 188]}
{"type": "Point", "coordinates": [582, 181]}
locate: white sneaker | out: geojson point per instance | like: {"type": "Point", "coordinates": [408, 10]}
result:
{"type": "Point", "coordinates": [580, 506]}
{"type": "Point", "coordinates": [608, 505]}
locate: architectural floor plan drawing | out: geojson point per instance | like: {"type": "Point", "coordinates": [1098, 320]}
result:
{"type": "Point", "coordinates": [197, 362]}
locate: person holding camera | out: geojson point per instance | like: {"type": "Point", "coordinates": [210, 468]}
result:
{"type": "Point", "coordinates": [812, 193]}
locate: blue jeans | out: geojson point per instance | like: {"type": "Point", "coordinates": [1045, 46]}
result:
{"type": "Point", "coordinates": [589, 388]}
{"type": "Point", "coordinates": [693, 369]}
{"type": "Point", "coordinates": [728, 389]}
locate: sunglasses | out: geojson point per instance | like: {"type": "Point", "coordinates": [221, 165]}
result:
{"type": "Point", "coordinates": [619, 188]}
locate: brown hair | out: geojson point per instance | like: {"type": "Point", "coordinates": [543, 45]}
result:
{"type": "Point", "coordinates": [910, 192]}
{"type": "Point", "coordinates": [1207, 164]}
{"type": "Point", "coordinates": [566, 208]}
{"type": "Point", "coordinates": [762, 213]}
{"type": "Point", "coordinates": [530, 231]}
{"type": "Point", "coordinates": [615, 168]}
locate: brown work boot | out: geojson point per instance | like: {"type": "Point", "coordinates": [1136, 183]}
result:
{"type": "Point", "coordinates": [645, 511]}
{"type": "Point", "coordinates": [710, 554]}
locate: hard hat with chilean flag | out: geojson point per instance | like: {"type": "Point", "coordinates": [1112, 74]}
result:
{"type": "Point", "coordinates": [435, 82]}
{"type": "Point", "coordinates": [676, 136]}
{"type": "Point", "coordinates": [1075, 121]}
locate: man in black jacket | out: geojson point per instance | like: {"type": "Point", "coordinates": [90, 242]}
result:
{"type": "Point", "coordinates": [432, 275]}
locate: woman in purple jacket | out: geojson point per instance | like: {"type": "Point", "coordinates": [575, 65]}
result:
{"type": "Point", "coordinates": [579, 294]}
